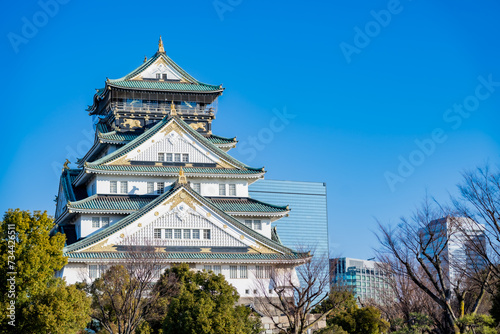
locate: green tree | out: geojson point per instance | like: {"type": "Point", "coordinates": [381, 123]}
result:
{"type": "Point", "coordinates": [205, 304]}
{"type": "Point", "coordinates": [59, 309]}
{"type": "Point", "coordinates": [30, 256]}
{"type": "Point", "coordinates": [476, 324]}
{"type": "Point", "coordinates": [354, 320]}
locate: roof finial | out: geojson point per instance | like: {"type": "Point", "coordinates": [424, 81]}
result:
{"type": "Point", "coordinates": [160, 46]}
{"type": "Point", "coordinates": [173, 112]}
{"type": "Point", "coordinates": [145, 59]}
{"type": "Point", "coordinates": [182, 178]}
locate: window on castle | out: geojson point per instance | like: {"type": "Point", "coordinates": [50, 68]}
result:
{"type": "Point", "coordinates": [233, 272]}
{"type": "Point", "coordinates": [113, 187]}
{"type": "Point", "coordinates": [124, 187]}
{"type": "Point", "coordinates": [177, 157]}
{"type": "Point", "coordinates": [187, 234]}
{"type": "Point", "coordinates": [157, 233]}
{"type": "Point", "coordinates": [243, 272]}
{"type": "Point", "coordinates": [93, 271]}
{"type": "Point", "coordinates": [196, 234]}
{"type": "Point", "coordinates": [257, 224]}
{"type": "Point", "coordinates": [161, 156]}
{"type": "Point", "coordinates": [185, 157]}
{"type": "Point", "coordinates": [196, 187]}
{"type": "Point", "coordinates": [178, 234]}
{"type": "Point", "coordinates": [96, 223]}
{"type": "Point", "coordinates": [160, 187]}
{"type": "Point", "coordinates": [259, 271]}
{"type": "Point", "coordinates": [157, 271]}
{"type": "Point", "coordinates": [217, 270]}
{"type": "Point", "coordinates": [168, 233]}
{"type": "Point", "coordinates": [105, 221]}
{"type": "Point", "coordinates": [207, 267]}
{"type": "Point", "coordinates": [222, 189]}
{"type": "Point", "coordinates": [232, 190]}
{"type": "Point", "coordinates": [206, 234]}
{"type": "Point", "coordinates": [169, 157]}
{"type": "Point", "coordinates": [248, 223]}
{"type": "Point", "coordinates": [150, 188]}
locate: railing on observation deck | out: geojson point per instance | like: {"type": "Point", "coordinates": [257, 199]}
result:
{"type": "Point", "coordinates": [163, 108]}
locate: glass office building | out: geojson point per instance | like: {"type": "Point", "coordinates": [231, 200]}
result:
{"type": "Point", "coordinates": [366, 279]}
{"type": "Point", "coordinates": [307, 224]}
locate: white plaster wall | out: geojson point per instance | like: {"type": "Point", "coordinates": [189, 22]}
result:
{"type": "Point", "coordinates": [266, 225]}
{"type": "Point", "coordinates": [84, 224]}
{"type": "Point", "coordinates": [136, 186]}
{"type": "Point", "coordinates": [211, 187]}
{"type": "Point", "coordinates": [75, 272]}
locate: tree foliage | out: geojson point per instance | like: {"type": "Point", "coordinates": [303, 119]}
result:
{"type": "Point", "coordinates": [205, 304]}
{"type": "Point", "coordinates": [30, 256]}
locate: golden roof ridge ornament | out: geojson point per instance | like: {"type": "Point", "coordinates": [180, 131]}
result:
{"type": "Point", "coordinates": [182, 177]}
{"type": "Point", "coordinates": [145, 59]}
{"type": "Point", "coordinates": [173, 112]}
{"type": "Point", "coordinates": [160, 46]}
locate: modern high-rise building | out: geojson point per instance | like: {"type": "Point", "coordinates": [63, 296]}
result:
{"type": "Point", "coordinates": [306, 225]}
{"type": "Point", "coordinates": [158, 179]}
{"type": "Point", "coordinates": [366, 279]}
{"type": "Point", "coordinates": [459, 241]}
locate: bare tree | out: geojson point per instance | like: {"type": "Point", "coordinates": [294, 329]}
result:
{"type": "Point", "coordinates": [418, 248]}
{"type": "Point", "coordinates": [479, 201]}
{"type": "Point", "coordinates": [126, 294]}
{"type": "Point", "coordinates": [292, 294]}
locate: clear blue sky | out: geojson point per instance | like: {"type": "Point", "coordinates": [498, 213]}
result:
{"type": "Point", "coordinates": [360, 100]}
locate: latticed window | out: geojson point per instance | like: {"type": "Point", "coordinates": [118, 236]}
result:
{"type": "Point", "coordinates": [196, 187]}
{"type": "Point", "coordinates": [196, 234]}
{"type": "Point", "coordinates": [248, 222]}
{"type": "Point", "coordinates": [206, 234]}
{"type": "Point", "coordinates": [151, 187]}
{"type": "Point", "coordinates": [207, 267]}
{"type": "Point", "coordinates": [105, 221]}
{"type": "Point", "coordinates": [259, 271]}
{"type": "Point", "coordinates": [177, 157]}
{"type": "Point", "coordinates": [187, 234]}
{"type": "Point", "coordinates": [243, 272]}
{"type": "Point", "coordinates": [222, 189]}
{"type": "Point", "coordinates": [217, 270]}
{"type": "Point", "coordinates": [96, 222]}
{"type": "Point", "coordinates": [232, 190]}
{"type": "Point", "coordinates": [185, 157]}
{"type": "Point", "coordinates": [168, 233]}
{"type": "Point", "coordinates": [178, 234]}
{"type": "Point", "coordinates": [161, 156]}
{"type": "Point", "coordinates": [157, 233]}
{"type": "Point", "coordinates": [233, 271]}
{"type": "Point", "coordinates": [93, 271]}
{"type": "Point", "coordinates": [160, 187]}
{"type": "Point", "coordinates": [257, 224]}
{"type": "Point", "coordinates": [169, 157]}
{"type": "Point", "coordinates": [124, 187]}
{"type": "Point", "coordinates": [113, 187]}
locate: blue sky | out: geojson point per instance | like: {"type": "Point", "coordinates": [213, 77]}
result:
{"type": "Point", "coordinates": [383, 100]}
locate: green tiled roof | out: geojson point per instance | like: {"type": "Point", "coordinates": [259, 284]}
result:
{"type": "Point", "coordinates": [165, 85]}
{"type": "Point", "coordinates": [173, 170]}
{"type": "Point", "coordinates": [245, 205]}
{"type": "Point", "coordinates": [111, 203]}
{"type": "Point", "coordinates": [221, 140]}
{"type": "Point", "coordinates": [193, 85]}
{"type": "Point", "coordinates": [157, 127]}
{"type": "Point", "coordinates": [188, 256]}
{"type": "Point", "coordinates": [127, 203]}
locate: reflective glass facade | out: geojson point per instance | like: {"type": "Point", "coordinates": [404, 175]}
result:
{"type": "Point", "coordinates": [307, 224]}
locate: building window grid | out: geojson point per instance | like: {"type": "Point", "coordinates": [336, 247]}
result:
{"type": "Point", "coordinates": [233, 272]}
{"type": "Point", "coordinates": [232, 189]}
{"type": "Point", "coordinates": [150, 187]}
{"type": "Point", "coordinates": [124, 187]}
{"type": "Point", "coordinates": [196, 187]}
{"type": "Point", "coordinates": [96, 222]}
{"type": "Point", "coordinates": [105, 221]}
{"type": "Point", "coordinates": [113, 187]}
{"type": "Point", "coordinates": [160, 187]}
{"type": "Point", "coordinates": [243, 272]}
{"type": "Point", "coordinates": [161, 156]}
{"type": "Point", "coordinates": [186, 234]}
{"type": "Point", "coordinates": [222, 189]}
